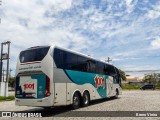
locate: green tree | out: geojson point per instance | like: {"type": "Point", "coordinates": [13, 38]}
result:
{"type": "Point", "coordinates": [123, 74]}
{"type": "Point", "coordinates": [127, 75]}
{"type": "Point", "coordinates": [151, 78]}
{"type": "Point", "coordinates": [11, 82]}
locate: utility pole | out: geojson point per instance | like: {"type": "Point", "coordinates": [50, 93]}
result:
{"type": "Point", "coordinates": [1, 63]}
{"type": "Point", "coordinates": [108, 59]}
{"type": "Point", "coordinates": [7, 73]}
{"type": "Point", "coordinates": [3, 74]}
{"type": "Point", "coordinates": [4, 56]}
{"type": "Point", "coordinates": [10, 72]}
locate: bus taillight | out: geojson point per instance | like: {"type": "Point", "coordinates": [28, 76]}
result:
{"type": "Point", "coordinates": [47, 93]}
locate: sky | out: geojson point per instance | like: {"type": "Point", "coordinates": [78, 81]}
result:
{"type": "Point", "coordinates": [127, 31]}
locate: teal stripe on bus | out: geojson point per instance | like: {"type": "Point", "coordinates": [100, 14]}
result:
{"type": "Point", "coordinates": [81, 78]}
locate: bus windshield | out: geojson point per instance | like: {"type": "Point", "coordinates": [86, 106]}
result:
{"type": "Point", "coordinates": [33, 54]}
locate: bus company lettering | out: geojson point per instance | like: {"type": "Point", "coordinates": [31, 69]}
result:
{"type": "Point", "coordinates": [28, 86]}
{"type": "Point", "coordinates": [99, 81]}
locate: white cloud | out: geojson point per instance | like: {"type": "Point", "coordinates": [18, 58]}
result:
{"type": "Point", "coordinates": [155, 44]}
{"type": "Point", "coordinates": [107, 25]}
{"type": "Point", "coordinates": [130, 5]}
{"type": "Point", "coordinates": [23, 22]}
{"type": "Point", "coordinates": [155, 12]}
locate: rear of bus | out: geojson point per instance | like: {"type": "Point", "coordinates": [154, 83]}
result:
{"type": "Point", "coordinates": [34, 75]}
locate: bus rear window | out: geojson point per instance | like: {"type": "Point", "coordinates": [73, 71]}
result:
{"type": "Point", "coordinates": [34, 54]}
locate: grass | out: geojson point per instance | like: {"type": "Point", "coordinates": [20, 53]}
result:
{"type": "Point", "coordinates": [9, 98]}
{"type": "Point", "coordinates": [130, 87]}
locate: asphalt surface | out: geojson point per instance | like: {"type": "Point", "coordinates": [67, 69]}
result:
{"type": "Point", "coordinates": [128, 104]}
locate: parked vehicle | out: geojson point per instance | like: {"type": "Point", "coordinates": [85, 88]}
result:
{"type": "Point", "coordinates": [145, 87]}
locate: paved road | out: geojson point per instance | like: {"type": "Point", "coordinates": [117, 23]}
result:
{"type": "Point", "coordinates": [128, 101]}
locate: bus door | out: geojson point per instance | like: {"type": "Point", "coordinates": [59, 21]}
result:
{"type": "Point", "coordinates": [110, 86]}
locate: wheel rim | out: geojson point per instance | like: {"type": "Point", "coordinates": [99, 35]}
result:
{"type": "Point", "coordinates": [86, 99]}
{"type": "Point", "coordinates": [76, 101]}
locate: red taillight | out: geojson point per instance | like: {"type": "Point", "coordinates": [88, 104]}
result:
{"type": "Point", "coordinates": [47, 93]}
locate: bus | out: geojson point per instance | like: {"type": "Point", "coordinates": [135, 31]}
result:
{"type": "Point", "coordinates": [48, 76]}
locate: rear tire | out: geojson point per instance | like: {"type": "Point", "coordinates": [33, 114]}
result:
{"type": "Point", "coordinates": [76, 101]}
{"type": "Point", "coordinates": [85, 99]}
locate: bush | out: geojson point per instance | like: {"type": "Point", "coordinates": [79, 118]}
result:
{"type": "Point", "coordinates": [130, 87]}
{"type": "Point", "coordinates": [7, 98]}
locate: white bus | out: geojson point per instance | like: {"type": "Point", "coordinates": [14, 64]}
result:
{"type": "Point", "coordinates": [49, 76]}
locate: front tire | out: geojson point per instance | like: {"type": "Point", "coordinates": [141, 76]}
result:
{"type": "Point", "coordinates": [76, 101]}
{"type": "Point", "coordinates": [117, 93]}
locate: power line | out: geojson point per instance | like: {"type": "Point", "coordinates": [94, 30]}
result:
{"type": "Point", "coordinates": [132, 57]}
{"type": "Point", "coordinates": [142, 71]}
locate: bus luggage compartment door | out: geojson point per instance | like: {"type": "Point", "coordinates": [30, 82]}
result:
{"type": "Point", "coordinates": [60, 94]}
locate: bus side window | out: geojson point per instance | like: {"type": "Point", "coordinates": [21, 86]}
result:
{"type": "Point", "coordinates": [82, 64]}
{"type": "Point", "coordinates": [92, 66]}
{"type": "Point", "coordinates": [106, 70]}
{"type": "Point", "coordinates": [58, 58]}
{"type": "Point", "coordinates": [100, 68]}
{"type": "Point", "coordinates": [118, 76]}
{"type": "Point", "coordinates": [109, 70]}
{"type": "Point", "coordinates": [70, 61]}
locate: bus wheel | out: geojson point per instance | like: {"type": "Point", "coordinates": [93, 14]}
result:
{"type": "Point", "coordinates": [76, 101]}
{"type": "Point", "coordinates": [117, 93]}
{"type": "Point", "coordinates": [85, 99]}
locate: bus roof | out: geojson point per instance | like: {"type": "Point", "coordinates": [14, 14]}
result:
{"type": "Point", "coordinates": [34, 47]}
{"type": "Point", "coordinates": [68, 50]}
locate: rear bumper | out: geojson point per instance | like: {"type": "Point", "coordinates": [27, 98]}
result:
{"type": "Point", "coordinates": [44, 102]}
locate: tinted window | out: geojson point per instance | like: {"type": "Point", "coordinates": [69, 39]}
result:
{"type": "Point", "coordinates": [82, 64]}
{"type": "Point", "coordinates": [70, 61]}
{"type": "Point", "coordinates": [92, 66]}
{"type": "Point", "coordinates": [106, 69]}
{"type": "Point", "coordinates": [36, 54]}
{"type": "Point", "coordinates": [118, 76]}
{"type": "Point", "coordinates": [58, 58]}
{"type": "Point", "coordinates": [100, 68]}
{"type": "Point", "coordinates": [110, 70]}
{"type": "Point", "coordinates": [67, 60]}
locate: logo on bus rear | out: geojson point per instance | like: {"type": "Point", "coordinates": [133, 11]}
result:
{"type": "Point", "coordinates": [28, 86]}
{"type": "Point", "coordinates": [99, 81]}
